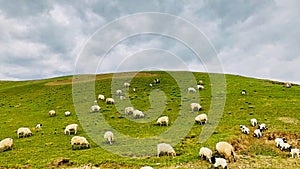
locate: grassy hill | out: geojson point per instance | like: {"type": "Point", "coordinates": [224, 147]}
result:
{"type": "Point", "coordinates": [26, 103]}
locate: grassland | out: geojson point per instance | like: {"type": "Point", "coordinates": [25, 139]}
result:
{"type": "Point", "coordinates": [27, 103]}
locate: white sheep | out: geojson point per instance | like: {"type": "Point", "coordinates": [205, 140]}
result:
{"type": "Point", "coordinates": [163, 120]}
{"type": "Point", "coordinates": [67, 113]}
{"type": "Point", "coordinates": [295, 151]}
{"type": "Point", "coordinates": [71, 127]}
{"type": "Point", "coordinates": [109, 137]}
{"type": "Point", "coordinates": [79, 140]}
{"type": "Point", "coordinates": [38, 126]}
{"type": "Point", "coordinates": [263, 127]}
{"type": "Point", "coordinates": [163, 148]}
{"type": "Point", "coordinates": [134, 89]}
{"type": "Point", "coordinates": [128, 110]}
{"type": "Point", "coordinates": [258, 133]}
{"type": "Point", "coordinates": [119, 92]}
{"type": "Point", "coordinates": [200, 87]}
{"type": "Point", "coordinates": [150, 85]}
{"type": "Point", "coordinates": [288, 84]}
{"type": "Point", "coordinates": [6, 144]}
{"type": "Point", "coordinates": [110, 101]}
{"type": "Point", "coordinates": [52, 113]}
{"type": "Point", "coordinates": [285, 146]}
{"type": "Point", "coordinates": [253, 122]}
{"type": "Point", "coordinates": [200, 82]}
{"type": "Point", "coordinates": [24, 131]}
{"type": "Point", "coordinates": [138, 114]}
{"type": "Point", "coordinates": [205, 153]}
{"type": "Point", "coordinates": [95, 108]}
{"type": "Point", "coordinates": [146, 167]}
{"type": "Point", "coordinates": [245, 129]}
{"type": "Point", "coordinates": [122, 97]}
{"type": "Point", "coordinates": [191, 90]}
{"type": "Point", "coordinates": [196, 107]}
{"type": "Point", "coordinates": [156, 81]}
{"type": "Point", "coordinates": [219, 162]}
{"type": "Point", "coordinates": [126, 84]}
{"type": "Point", "coordinates": [279, 141]}
{"type": "Point", "coordinates": [101, 97]}
{"type": "Point", "coordinates": [226, 150]}
{"type": "Point", "coordinates": [201, 119]}
{"type": "Point", "coordinates": [243, 92]}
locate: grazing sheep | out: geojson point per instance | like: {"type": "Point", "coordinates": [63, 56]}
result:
{"type": "Point", "coordinates": [288, 84]}
{"type": "Point", "coordinates": [163, 120]}
{"type": "Point", "coordinates": [81, 141]}
{"type": "Point", "coordinates": [71, 127]}
{"type": "Point", "coordinates": [196, 107]}
{"type": "Point", "coordinates": [279, 141]}
{"type": "Point", "coordinates": [129, 110]}
{"type": "Point", "coordinates": [119, 92]}
{"type": "Point", "coordinates": [52, 113]}
{"type": "Point", "coordinates": [258, 133]}
{"type": "Point", "coordinates": [219, 162]}
{"type": "Point", "coordinates": [122, 97]}
{"type": "Point", "coordinates": [263, 127]}
{"type": "Point", "coordinates": [126, 84]}
{"type": "Point", "coordinates": [243, 92]}
{"type": "Point", "coordinates": [163, 148]}
{"type": "Point", "coordinates": [110, 101]}
{"type": "Point", "coordinates": [134, 89]}
{"type": "Point", "coordinates": [285, 146]}
{"type": "Point", "coordinates": [201, 119]}
{"type": "Point", "coordinates": [150, 85]}
{"type": "Point", "coordinates": [95, 108]}
{"type": "Point", "coordinates": [146, 167]}
{"type": "Point", "coordinates": [200, 82]}
{"type": "Point", "coordinates": [101, 97]}
{"type": "Point", "coordinates": [191, 90]}
{"type": "Point", "coordinates": [67, 113]}
{"type": "Point", "coordinates": [200, 87]}
{"type": "Point", "coordinates": [245, 129]}
{"type": "Point", "coordinates": [6, 144]}
{"type": "Point", "coordinates": [226, 150]}
{"type": "Point", "coordinates": [205, 153]}
{"type": "Point", "coordinates": [138, 114]}
{"type": "Point", "coordinates": [109, 137]}
{"type": "Point", "coordinates": [156, 81]}
{"type": "Point", "coordinates": [24, 131]}
{"type": "Point", "coordinates": [253, 122]}
{"type": "Point", "coordinates": [38, 126]}
{"type": "Point", "coordinates": [295, 151]}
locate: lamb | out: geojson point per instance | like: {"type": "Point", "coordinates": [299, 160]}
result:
{"type": "Point", "coordinates": [245, 129]}
{"type": "Point", "coordinates": [201, 119]}
{"type": "Point", "coordinates": [119, 92]}
{"type": "Point", "coordinates": [110, 101]}
{"type": "Point", "coordinates": [52, 113]}
{"type": "Point", "coordinates": [191, 90]}
{"type": "Point", "coordinates": [258, 133]}
{"type": "Point", "coordinates": [71, 127]}
{"type": "Point", "coordinates": [6, 144]}
{"type": "Point", "coordinates": [253, 122]}
{"type": "Point", "coordinates": [129, 110]}
{"type": "Point", "coordinates": [95, 108]}
{"type": "Point", "coordinates": [205, 153]}
{"type": "Point", "coordinates": [163, 120]}
{"type": "Point", "coordinates": [24, 131]}
{"type": "Point", "coordinates": [226, 150]}
{"type": "Point", "coordinates": [67, 113]}
{"type": "Point", "coordinates": [138, 114]}
{"type": "Point", "coordinates": [295, 151]}
{"type": "Point", "coordinates": [285, 146]}
{"type": "Point", "coordinates": [101, 97]}
{"type": "Point", "coordinates": [279, 141]}
{"type": "Point", "coordinates": [79, 140]}
{"type": "Point", "coordinates": [146, 167]}
{"type": "Point", "coordinates": [196, 107]}
{"type": "Point", "coordinates": [263, 127]}
{"type": "Point", "coordinates": [200, 87]}
{"type": "Point", "coordinates": [109, 137]}
{"type": "Point", "coordinates": [38, 126]}
{"type": "Point", "coordinates": [165, 148]}
{"type": "Point", "coordinates": [219, 162]}
{"type": "Point", "coordinates": [126, 84]}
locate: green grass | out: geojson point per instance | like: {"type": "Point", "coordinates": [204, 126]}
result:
{"type": "Point", "coordinates": [26, 103]}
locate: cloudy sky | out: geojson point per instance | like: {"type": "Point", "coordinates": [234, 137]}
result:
{"type": "Point", "coordinates": [43, 39]}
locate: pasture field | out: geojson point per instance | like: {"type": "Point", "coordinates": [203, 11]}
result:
{"type": "Point", "coordinates": [26, 103]}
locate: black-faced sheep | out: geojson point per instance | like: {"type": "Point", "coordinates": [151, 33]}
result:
{"type": "Point", "coordinates": [253, 122]}
{"type": "Point", "coordinates": [226, 150]}
{"type": "Point", "coordinates": [205, 153]}
{"type": "Point", "coordinates": [164, 148]}
{"type": "Point", "coordinates": [109, 137]}
{"type": "Point", "coordinates": [52, 113]}
{"type": "Point", "coordinates": [191, 90]}
{"type": "Point", "coordinates": [279, 141]}
{"type": "Point", "coordinates": [138, 114]}
{"type": "Point", "coordinates": [70, 128]}
{"type": "Point", "coordinates": [196, 107]}
{"type": "Point", "coordinates": [129, 110]}
{"type": "Point", "coordinates": [163, 120]}
{"type": "Point", "coordinates": [79, 141]}
{"type": "Point", "coordinates": [119, 92]}
{"type": "Point", "coordinates": [245, 129]}
{"type": "Point", "coordinates": [201, 119]}
{"type": "Point", "coordinates": [24, 131]}
{"type": "Point", "coordinates": [156, 81]}
{"type": "Point", "coordinates": [200, 87]}
{"type": "Point", "coordinates": [126, 84]}
{"type": "Point", "coordinates": [6, 144]}
{"type": "Point", "coordinates": [219, 162]}
{"type": "Point", "coordinates": [38, 126]}
{"type": "Point", "coordinates": [110, 101]}
{"type": "Point", "coordinates": [101, 97]}
{"type": "Point", "coordinates": [263, 127]}
{"type": "Point", "coordinates": [285, 146]}
{"type": "Point", "coordinates": [258, 133]}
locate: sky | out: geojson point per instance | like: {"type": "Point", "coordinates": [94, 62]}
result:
{"type": "Point", "coordinates": [44, 39]}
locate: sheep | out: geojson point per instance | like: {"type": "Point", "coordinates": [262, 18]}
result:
{"type": "Point", "coordinates": [295, 151]}
{"type": "Point", "coordinates": [6, 144]}
{"type": "Point", "coordinates": [165, 148]}
{"type": "Point", "coordinates": [258, 133]}
{"type": "Point", "coordinates": [95, 108]}
{"type": "Point", "coordinates": [201, 119]}
{"type": "Point", "coordinates": [138, 114]}
{"type": "Point", "coordinates": [79, 140]}
{"type": "Point", "coordinates": [128, 110]}
{"type": "Point", "coordinates": [156, 81]}
{"type": "Point", "coordinates": [101, 97]}
{"type": "Point", "coordinates": [245, 129]}
{"type": "Point", "coordinates": [288, 84]}
{"type": "Point", "coordinates": [52, 113]}
{"type": "Point", "coordinates": [67, 113]}
{"type": "Point", "coordinates": [263, 127]}
{"type": "Point", "coordinates": [150, 85]}
{"type": "Point", "coordinates": [146, 167]}
{"type": "Point", "coordinates": [205, 153]}
{"type": "Point", "coordinates": [200, 87]}
{"type": "Point", "coordinates": [38, 126]}
{"type": "Point", "coordinates": [134, 89]}
{"type": "Point", "coordinates": [253, 122]}
{"type": "Point", "coordinates": [196, 107]}
{"type": "Point", "coordinates": [119, 92]}
{"type": "Point", "coordinates": [285, 146]}
{"type": "Point", "coordinates": [109, 137]}
{"type": "Point", "coordinates": [122, 97]}
{"type": "Point", "coordinates": [24, 131]}
{"type": "Point", "coordinates": [243, 92]}
{"type": "Point", "coordinates": [279, 141]}
{"type": "Point", "coordinates": [219, 162]}
{"type": "Point", "coordinates": [71, 127]}
{"type": "Point", "coordinates": [200, 82]}
{"type": "Point", "coordinates": [163, 120]}
{"type": "Point", "coordinates": [191, 90]}
{"type": "Point", "coordinates": [126, 84]}
{"type": "Point", "coordinates": [226, 149]}
{"type": "Point", "coordinates": [110, 101]}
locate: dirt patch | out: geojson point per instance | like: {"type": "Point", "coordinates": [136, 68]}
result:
{"type": "Point", "coordinates": [88, 78]}
{"type": "Point", "coordinates": [59, 162]}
